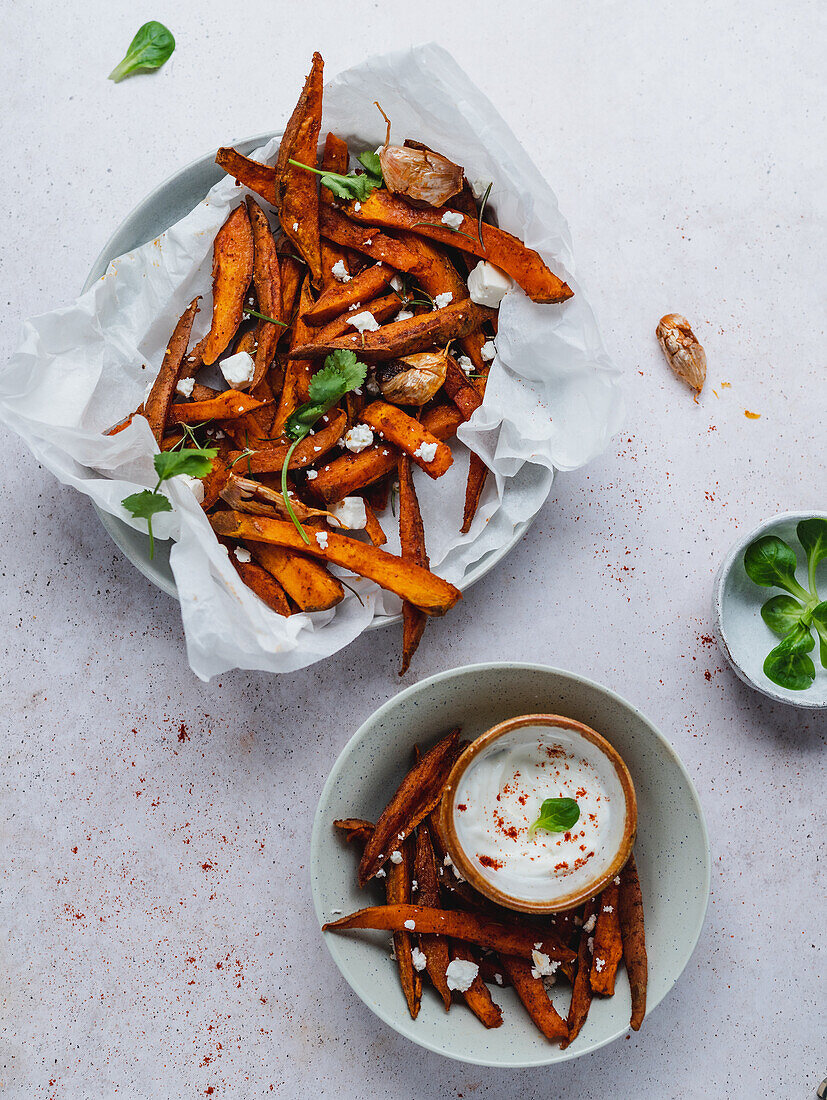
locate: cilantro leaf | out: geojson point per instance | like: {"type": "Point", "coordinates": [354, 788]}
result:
{"type": "Point", "coordinates": [355, 185]}
{"type": "Point", "coordinates": [145, 504]}
{"type": "Point", "coordinates": [196, 462]}
{"type": "Point", "coordinates": [373, 166]}
{"type": "Point", "coordinates": [341, 373]}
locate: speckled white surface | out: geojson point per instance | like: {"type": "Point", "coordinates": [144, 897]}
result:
{"type": "Point", "coordinates": [161, 941]}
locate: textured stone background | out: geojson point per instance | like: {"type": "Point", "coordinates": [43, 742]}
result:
{"type": "Point", "coordinates": [159, 939]}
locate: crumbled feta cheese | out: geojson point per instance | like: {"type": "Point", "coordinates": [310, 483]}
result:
{"type": "Point", "coordinates": [357, 206]}
{"type": "Point", "coordinates": [194, 484]}
{"type": "Point", "coordinates": [364, 322]}
{"type": "Point", "coordinates": [487, 285]}
{"type": "Point", "coordinates": [498, 978]}
{"type": "Point", "coordinates": [184, 386]}
{"type": "Point", "coordinates": [312, 475]}
{"type": "Point", "coordinates": [295, 227]}
{"type": "Point", "coordinates": [336, 912]}
{"type": "Point", "coordinates": [380, 873]}
{"type": "Point", "coordinates": [442, 300]}
{"type": "Point", "coordinates": [452, 218]}
{"type": "Point", "coordinates": [426, 451]}
{"type": "Point", "coordinates": [466, 364]}
{"type": "Point", "coordinates": [588, 925]}
{"type": "Point", "coordinates": [350, 513]}
{"type": "Point", "coordinates": [448, 862]}
{"type": "Point", "coordinates": [354, 307]}
{"type": "Point", "coordinates": [608, 909]}
{"type": "Point", "coordinates": [414, 885]}
{"type": "Point", "coordinates": [340, 272]}
{"type": "Point", "coordinates": [403, 315]}
{"type": "Point", "coordinates": [537, 946]}
{"type": "Point", "coordinates": [242, 554]}
{"type": "Point", "coordinates": [321, 539]}
{"type": "Point", "coordinates": [617, 880]}
{"type": "Point", "coordinates": [418, 959]}
{"type": "Point", "coordinates": [488, 351]}
{"type": "Point", "coordinates": [543, 965]}
{"type": "Point", "coordinates": [358, 438]}
{"type": "Point", "coordinates": [369, 241]}
{"type": "Point", "coordinates": [590, 944]}
{"type": "Point", "coordinates": [460, 974]}
{"type": "Point", "coordinates": [396, 857]}
{"type": "Point", "coordinates": [238, 369]}
{"type": "Point", "coordinates": [479, 187]}
{"type": "Point", "coordinates": [396, 284]}
{"type": "Point", "coordinates": [410, 925]}
{"type": "Point", "coordinates": [599, 964]}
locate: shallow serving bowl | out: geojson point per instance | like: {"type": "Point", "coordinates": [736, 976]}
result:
{"type": "Point", "coordinates": [743, 636]}
{"type": "Point", "coordinates": [672, 852]}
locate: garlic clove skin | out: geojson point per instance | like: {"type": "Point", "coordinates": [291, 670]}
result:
{"type": "Point", "coordinates": [422, 176]}
{"type": "Point", "coordinates": [413, 379]}
{"type": "Point", "coordinates": [683, 352]}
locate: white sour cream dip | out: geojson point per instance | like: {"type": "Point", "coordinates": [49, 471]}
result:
{"type": "Point", "coordinates": [498, 799]}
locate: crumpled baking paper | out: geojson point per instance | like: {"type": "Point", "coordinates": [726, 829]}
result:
{"type": "Point", "coordinates": [552, 402]}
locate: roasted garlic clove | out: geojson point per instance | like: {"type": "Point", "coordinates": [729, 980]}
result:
{"type": "Point", "coordinates": [420, 175]}
{"type": "Point", "coordinates": [414, 379]}
{"type": "Point", "coordinates": [684, 354]}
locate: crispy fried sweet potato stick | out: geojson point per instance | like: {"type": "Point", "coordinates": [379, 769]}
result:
{"type": "Point", "coordinates": [346, 475]}
{"type": "Point", "coordinates": [381, 308]}
{"type": "Point", "coordinates": [581, 994]}
{"type": "Point", "coordinates": [447, 922]}
{"type": "Point", "coordinates": [412, 543]}
{"type": "Point", "coordinates": [413, 800]}
{"type": "Point", "coordinates": [354, 828]}
{"type": "Point", "coordinates": [232, 270]}
{"type": "Point", "coordinates": [228, 405]}
{"type": "Point", "coordinates": [459, 389]}
{"type": "Point", "coordinates": [362, 288]}
{"type": "Point", "coordinates": [477, 474]}
{"type": "Point", "coordinates": [434, 947]}
{"type": "Point", "coordinates": [311, 449]}
{"type": "Point", "coordinates": [299, 371]}
{"type": "Point", "coordinates": [306, 582]}
{"type": "Point", "coordinates": [634, 939]}
{"type": "Point", "coordinates": [409, 435]}
{"type": "Point", "coordinates": [218, 476]}
{"type": "Point", "coordinates": [297, 194]}
{"type": "Point", "coordinates": [156, 406]}
{"type": "Point", "coordinates": [398, 891]}
{"type": "Point", "coordinates": [405, 337]}
{"type": "Point", "coordinates": [265, 586]}
{"type": "Point", "coordinates": [267, 282]}
{"type": "Point", "coordinates": [370, 242]}
{"type": "Point", "coordinates": [292, 277]}
{"type": "Point", "coordinates": [334, 159]}
{"type": "Point", "coordinates": [608, 946]}
{"type": "Point", "coordinates": [428, 591]}
{"type": "Point", "coordinates": [373, 529]}
{"type": "Point", "coordinates": [532, 993]}
{"type": "Point", "coordinates": [259, 177]}
{"type": "Point", "coordinates": [491, 972]}
{"type": "Point", "coordinates": [477, 996]}
{"type": "Point", "coordinates": [523, 264]}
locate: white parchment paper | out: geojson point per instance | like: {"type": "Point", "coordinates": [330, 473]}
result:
{"type": "Point", "coordinates": [552, 402]}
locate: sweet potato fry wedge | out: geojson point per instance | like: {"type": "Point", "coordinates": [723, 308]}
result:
{"type": "Point", "coordinates": [335, 158]}
{"type": "Point", "coordinates": [264, 584]}
{"type": "Point", "coordinates": [412, 543]}
{"type": "Point", "coordinates": [297, 194]}
{"type": "Point", "coordinates": [346, 475]}
{"type": "Point", "coordinates": [362, 288]}
{"type": "Point", "coordinates": [228, 405]}
{"type": "Point", "coordinates": [232, 270]}
{"type": "Point", "coordinates": [581, 994]}
{"type": "Point", "coordinates": [532, 993]}
{"type": "Point", "coordinates": [477, 475]}
{"type": "Point", "coordinates": [373, 528]}
{"type": "Point", "coordinates": [306, 582]}
{"type": "Point", "coordinates": [271, 459]}
{"type": "Point", "coordinates": [398, 891]}
{"type": "Point", "coordinates": [523, 264]}
{"type": "Point", "coordinates": [259, 177]}
{"type": "Point", "coordinates": [299, 371]}
{"type": "Point", "coordinates": [267, 283]}
{"type": "Point", "coordinates": [459, 389]}
{"type": "Point", "coordinates": [292, 277]}
{"type": "Point", "coordinates": [459, 926]}
{"type": "Point", "coordinates": [354, 828]}
{"type": "Point", "coordinates": [428, 591]}
{"type": "Point", "coordinates": [434, 947]}
{"type": "Point", "coordinates": [370, 242]}
{"type": "Point", "coordinates": [413, 800]}
{"type": "Point", "coordinates": [608, 946]}
{"type": "Point", "coordinates": [156, 406]}
{"type": "Point", "coordinates": [405, 337]}
{"type": "Point", "coordinates": [634, 939]}
{"type": "Point", "coordinates": [477, 996]}
{"type": "Point", "coordinates": [409, 435]}
{"type": "Point", "coordinates": [382, 309]}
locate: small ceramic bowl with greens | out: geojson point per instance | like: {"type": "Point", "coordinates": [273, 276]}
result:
{"type": "Point", "coordinates": [770, 606]}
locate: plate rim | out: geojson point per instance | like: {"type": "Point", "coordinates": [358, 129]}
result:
{"type": "Point", "coordinates": [317, 843]}
{"type": "Point", "coordinates": [121, 533]}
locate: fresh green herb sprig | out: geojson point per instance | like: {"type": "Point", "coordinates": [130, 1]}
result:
{"type": "Point", "coordinates": [342, 372]}
{"type": "Point", "coordinates": [355, 185]}
{"type": "Point", "coordinates": [482, 211]}
{"type": "Point", "coordinates": [450, 228]}
{"type": "Point", "coordinates": [557, 815]}
{"type": "Point", "coordinates": [195, 462]}
{"type": "Point", "coordinates": [771, 563]}
{"type": "Point", "coordinates": [149, 49]}
{"type": "Point", "coordinates": [264, 317]}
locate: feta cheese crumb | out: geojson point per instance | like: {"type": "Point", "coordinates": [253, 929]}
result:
{"type": "Point", "coordinates": [357, 206]}
{"type": "Point", "coordinates": [358, 438]}
{"type": "Point", "coordinates": [185, 386]}
{"type": "Point", "coordinates": [321, 539]}
{"type": "Point", "coordinates": [418, 959]}
{"type": "Point", "coordinates": [488, 285]}
{"type": "Point", "coordinates": [194, 484]}
{"type": "Point", "coordinates": [414, 885]}
{"type": "Point", "coordinates": [498, 978]}
{"type": "Point", "coordinates": [242, 554]}
{"type": "Point", "coordinates": [448, 862]}
{"type": "Point", "coordinates": [452, 218]}
{"type": "Point", "coordinates": [599, 964]}
{"type": "Point", "coordinates": [537, 946]}
{"type": "Point", "coordinates": [608, 909]}
{"type": "Point", "coordinates": [350, 512]}
{"type": "Point", "coordinates": [312, 475]}
{"type": "Point", "coordinates": [543, 965]}
{"type": "Point", "coordinates": [479, 187]}
{"type": "Point", "coordinates": [426, 451]}
{"type": "Point", "coordinates": [295, 227]}
{"type": "Point", "coordinates": [238, 369]}
{"type": "Point", "coordinates": [396, 857]}
{"type": "Point", "coordinates": [590, 945]}
{"type": "Point", "coordinates": [336, 912]}
{"type": "Point", "coordinates": [396, 283]}
{"type": "Point", "coordinates": [442, 300]}
{"type": "Point", "coordinates": [340, 272]}
{"type": "Point", "coordinates": [488, 351]}
{"type": "Point", "coordinates": [410, 925]}
{"type": "Point", "coordinates": [403, 315]}
{"type": "Point", "coordinates": [364, 322]}
{"type": "Point", "coordinates": [617, 880]}
{"type": "Point", "coordinates": [466, 364]}
{"type": "Point", "coordinates": [588, 925]}
{"type": "Point", "coordinates": [380, 873]}
{"type": "Point", "coordinates": [460, 974]}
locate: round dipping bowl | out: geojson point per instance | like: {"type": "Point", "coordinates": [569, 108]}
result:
{"type": "Point", "coordinates": [557, 733]}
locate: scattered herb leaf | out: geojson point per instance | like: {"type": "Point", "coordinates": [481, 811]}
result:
{"type": "Point", "coordinates": [789, 664]}
{"type": "Point", "coordinates": [355, 185]}
{"type": "Point", "coordinates": [482, 211]}
{"type": "Point", "coordinates": [194, 462]}
{"type": "Point", "coordinates": [149, 49]}
{"type": "Point", "coordinates": [264, 317]}
{"type": "Point", "coordinates": [557, 815]}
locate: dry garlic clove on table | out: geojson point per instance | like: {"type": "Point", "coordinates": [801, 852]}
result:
{"type": "Point", "coordinates": [684, 354]}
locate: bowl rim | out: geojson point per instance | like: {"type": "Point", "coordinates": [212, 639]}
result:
{"type": "Point", "coordinates": [318, 841]}
{"type": "Point", "coordinates": [468, 869]}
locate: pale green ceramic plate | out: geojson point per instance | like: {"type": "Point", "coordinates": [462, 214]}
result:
{"type": "Point", "coordinates": [672, 852]}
